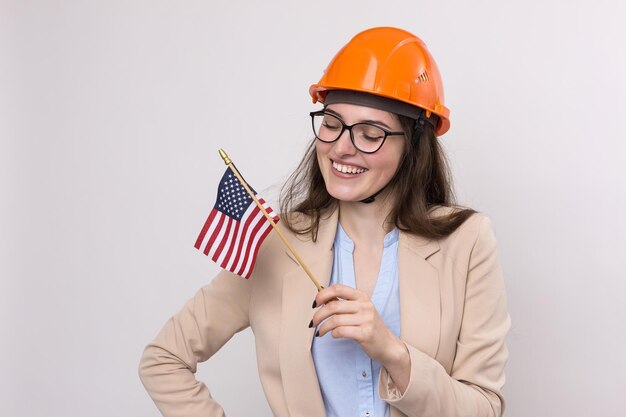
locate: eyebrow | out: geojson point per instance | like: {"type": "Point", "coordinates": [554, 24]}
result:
{"type": "Point", "coordinates": [377, 122]}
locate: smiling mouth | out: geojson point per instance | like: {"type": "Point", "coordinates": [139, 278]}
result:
{"type": "Point", "coordinates": [348, 169]}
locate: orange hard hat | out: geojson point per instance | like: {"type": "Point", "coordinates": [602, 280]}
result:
{"type": "Point", "coordinates": [391, 63]}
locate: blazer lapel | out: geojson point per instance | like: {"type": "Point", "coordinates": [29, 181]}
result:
{"type": "Point", "coordinates": [300, 384]}
{"type": "Point", "coordinates": [420, 301]}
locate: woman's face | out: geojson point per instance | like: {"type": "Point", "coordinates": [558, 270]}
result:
{"type": "Point", "coordinates": [363, 174]}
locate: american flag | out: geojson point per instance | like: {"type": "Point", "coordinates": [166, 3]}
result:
{"type": "Point", "coordinates": [235, 228]}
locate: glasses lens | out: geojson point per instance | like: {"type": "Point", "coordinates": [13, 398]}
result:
{"type": "Point", "coordinates": [368, 138]}
{"type": "Point", "coordinates": [326, 127]}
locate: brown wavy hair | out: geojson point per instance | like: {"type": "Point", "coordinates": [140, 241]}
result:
{"type": "Point", "coordinates": [422, 183]}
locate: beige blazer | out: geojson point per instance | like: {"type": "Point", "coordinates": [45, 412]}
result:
{"type": "Point", "coordinates": [453, 320]}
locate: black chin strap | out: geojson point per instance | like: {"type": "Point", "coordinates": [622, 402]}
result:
{"type": "Point", "coordinates": [418, 129]}
{"type": "Point", "coordinates": [371, 198]}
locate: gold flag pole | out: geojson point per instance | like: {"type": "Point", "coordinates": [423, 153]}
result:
{"type": "Point", "coordinates": [229, 163]}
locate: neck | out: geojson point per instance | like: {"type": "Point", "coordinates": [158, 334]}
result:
{"type": "Point", "coordinates": [366, 223]}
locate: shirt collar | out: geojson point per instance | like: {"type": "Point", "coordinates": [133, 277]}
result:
{"type": "Point", "coordinates": [343, 241]}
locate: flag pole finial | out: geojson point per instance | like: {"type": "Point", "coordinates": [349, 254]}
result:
{"type": "Point", "coordinates": [225, 157]}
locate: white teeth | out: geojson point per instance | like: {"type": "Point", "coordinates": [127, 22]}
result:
{"type": "Point", "coordinates": [347, 169]}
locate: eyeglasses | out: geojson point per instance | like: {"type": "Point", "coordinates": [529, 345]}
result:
{"type": "Point", "coordinates": [366, 137]}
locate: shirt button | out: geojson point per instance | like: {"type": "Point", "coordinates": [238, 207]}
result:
{"type": "Point", "coordinates": [367, 413]}
{"type": "Point", "coordinates": [364, 375]}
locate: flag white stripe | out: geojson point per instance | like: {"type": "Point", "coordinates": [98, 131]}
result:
{"type": "Point", "coordinates": [255, 243]}
{"type": "Point", "coordinates": [249, 246]}
{"type": "Point", "coordinates": [234, 244]}
{"type": "Point", "coordinates": [239, 237]}
{"type": "Point", "coordinates": [230, 227]}
{"type": "Point", "coordinates": [209, 232]}
{"type": "Point", "coordinates": [220, 235]}
{"type": "Point", "coordinates": [229, 241]}
{"type": "Point", "coordinates": [245, 237]}
{"type": "Point", "coordinates": [245, 244]}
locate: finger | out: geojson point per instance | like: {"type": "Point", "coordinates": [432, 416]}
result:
{"type": "Point", "coordinates": [337, 322]}
{"type": "Point", "coordinates": [334, 307]}
{"type": "Point", "coordinates": [346, 332]}
{"type": "Point", "coordinates": [339, 291]}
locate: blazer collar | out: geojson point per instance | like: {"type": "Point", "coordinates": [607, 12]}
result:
{"type": "Point", "coordinates": [419, 309]}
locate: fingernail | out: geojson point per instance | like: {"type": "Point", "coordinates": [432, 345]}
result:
{"type": "Point", "coordinates": [317, 333]}
{"type": "Point", "coordinates": [314, 304]}
{"type": "Point", "coordinates": [311, 324]}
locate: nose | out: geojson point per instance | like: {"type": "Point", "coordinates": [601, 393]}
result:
{"type": "Point", "coordinates": [343, 145]}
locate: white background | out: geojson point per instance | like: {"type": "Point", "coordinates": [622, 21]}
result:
{"type": "Point", "coordinates": [111, 114]}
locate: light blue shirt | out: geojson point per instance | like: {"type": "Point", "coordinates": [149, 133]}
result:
{"type": "Point", "coordinates": [348, 378]}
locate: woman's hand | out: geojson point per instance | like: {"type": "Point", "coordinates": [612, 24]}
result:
{"type": "Point", "coordinates": [349, 313]}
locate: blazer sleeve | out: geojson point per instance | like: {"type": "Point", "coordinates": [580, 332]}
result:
{"type": "Point", "coordinates": [206, 322]}
{"type": "Point", "coordinates": [473, 387]}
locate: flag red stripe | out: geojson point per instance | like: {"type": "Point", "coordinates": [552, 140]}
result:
{"type": "Point", "coordinates": [224, 239]}
{"type": "Point", "coordinates": [229, 240]}
{"type": "Point", "coordinates": [256, 250]}
{"type": "Point", "coordinates": [231, 246]}
{"type": "Point", "coordinates": [254, 232]}
{"type": "Point", "coordinates": [244, 235]}
{"type": "Point", "coordinates": [215, 233]}
{"type": "Point", "coordinates": [253, 247]}
{"type": "Point", "coordinates": [205, 228]}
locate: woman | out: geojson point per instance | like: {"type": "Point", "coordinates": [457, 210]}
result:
{"type": "Point", "coordinates": [413, 315]}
